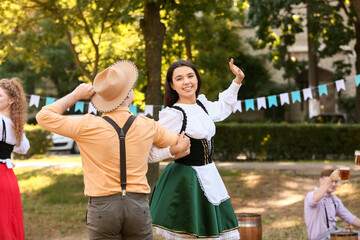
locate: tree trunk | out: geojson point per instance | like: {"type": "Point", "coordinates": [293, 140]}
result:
{"type": "Point", "coordinates": [356, 4]}
{"type": "Point", "coordinates": [357, 67]}
{"type": "Point", "coordinates": [154, 32]}
{"type": "Point", "coordinates": [314, 104]}
{"type": "Point", "coordinates": [188, 49]}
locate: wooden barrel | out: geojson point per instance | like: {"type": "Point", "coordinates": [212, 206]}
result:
{"type": "Point", "coordinates": [249, 226]}
{"type": "Point", "coordinates": [344, 236]}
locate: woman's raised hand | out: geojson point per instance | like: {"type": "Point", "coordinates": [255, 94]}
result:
{"type": "Point", "coordinates": [237, 71]}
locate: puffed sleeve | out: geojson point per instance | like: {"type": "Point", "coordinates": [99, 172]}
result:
{"type": "Point", "coordinates": [221, 109]}
{"type": "Point", "coordinates": [172, 120]}
{"type": "Point", "coordinates": [23, 147]}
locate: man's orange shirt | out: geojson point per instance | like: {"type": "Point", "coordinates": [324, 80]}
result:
{"type": "Point", "coordinates": [99, 147]}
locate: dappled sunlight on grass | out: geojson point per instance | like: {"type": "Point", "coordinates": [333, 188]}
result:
{"type": "Point", "coordinates": [251, 180]}
{"type": "Point", "coordinates": [344, 189]}
{"type": "Point", "coordinates": [52, 158]}
{"type": "Point", "coordinates": [285, 198]}
{"type": "Point", "coordinates": [35, 183]}
{"type": "Point", "coordinates": [285, 224]}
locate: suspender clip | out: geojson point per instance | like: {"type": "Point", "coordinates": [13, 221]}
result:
{"type": "Point", "coordinates": [123, 195]}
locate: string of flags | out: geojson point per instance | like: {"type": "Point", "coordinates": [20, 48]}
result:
{"type": "Point", "coordinates": [262, 102]}
{"type": "Point", "coordinates": [295, 96]}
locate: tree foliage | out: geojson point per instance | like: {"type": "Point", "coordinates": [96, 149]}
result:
{"type": "Point", "coordinates": [331, 26]}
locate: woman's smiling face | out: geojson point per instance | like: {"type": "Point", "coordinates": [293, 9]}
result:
{"type": "Point", "coordinates": [5, 100]}
{"type": "Point", "coordinates": [185, 83]}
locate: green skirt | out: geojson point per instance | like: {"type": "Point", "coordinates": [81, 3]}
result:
{"type": "Point", "coordinates": [178, 206]}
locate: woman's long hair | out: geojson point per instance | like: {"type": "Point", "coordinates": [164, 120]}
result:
{"type": "Point", "coordinates": [19, 107]}
{"type": "Point", "coordinates": [171, 96]}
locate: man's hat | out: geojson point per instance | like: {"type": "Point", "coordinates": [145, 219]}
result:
{"type": "Point", "coordinates": [113, 84]}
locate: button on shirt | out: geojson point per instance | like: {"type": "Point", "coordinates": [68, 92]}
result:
{"type": "Point", "coordinates": [99, 147]}
{"type": "Point", "coordinates": [314, 213]}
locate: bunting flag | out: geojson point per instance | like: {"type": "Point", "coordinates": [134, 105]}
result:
{"type": "Point", "coordinates": [249, 104]}
{"type": "Point", "coordinates": [261, 103]}
{"type": "Point", "coordinates": [284, 98]}
{"type": "Point", "coordinates": [149, 110]}
{"type": "Point", "coordinates": [34, 100]}
{"type": "Point", "coordinates": [272, 101]}
{"type": "Point", "coordinates": [357, 80]}
{"type": "Point", "coordinates": [49, 100]}
{"type": "Point", "coordinates": [307, 93]}
{"type": "Point", "coordinates": [79, 106]}
{"type": "Point", "coordinates": [92, 109]}
{"type": "Point", "coordinates": [322, 90]}
{"type": "Point", "coordinates": [133, 109]}
{"type": "Point", "coordinates": [237, 106]}
{"type": "Point", "coordinates": [295, 96]}
{"type": "Point", "coordinates": [340, 84]}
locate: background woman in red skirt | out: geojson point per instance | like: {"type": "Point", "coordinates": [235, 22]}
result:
{"type": "Point", "coordinates": [12, 139]}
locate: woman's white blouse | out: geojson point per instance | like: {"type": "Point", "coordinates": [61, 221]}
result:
{"type": "Point", "coordinates": [20, 148]}
{"type": "Point", "coordinates": [199, 125]}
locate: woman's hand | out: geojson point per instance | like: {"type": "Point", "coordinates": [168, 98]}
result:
{"type": "Point", "coordinates": [237, 71]}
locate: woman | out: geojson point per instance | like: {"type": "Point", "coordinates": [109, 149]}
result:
{"type": "Point", "coordinates": [13, 117]}
{"type": "Point", "coordinates": [190, 199]}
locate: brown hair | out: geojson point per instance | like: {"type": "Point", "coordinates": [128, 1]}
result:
{"type": "Point", "coordinates": [18, 108]}
{"type": "Point", "coordinates": [171, 96]}
{"type": "Point", "coordinates": [326, 173]}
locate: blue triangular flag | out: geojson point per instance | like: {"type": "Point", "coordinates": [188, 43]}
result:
{"type": "Point", "coordinates": [272, 101]}
{"type": "Point", "coordinates": [357, 80]}
{"type": "Point", "coordinates": [79, 106]}
{"type": "Point", "coordinates": [322, 90]}
{"type": "Point", "coordinates": [295, 96]}
{"type": "Point", "coordinates": [49, 100]}
{"type": "Point", "coordinates": [133, 109]}
{"type": "Point", "coordinates": [249, 104]}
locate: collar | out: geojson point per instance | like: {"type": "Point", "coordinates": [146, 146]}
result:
{"type": "Point", "coordinates": [118, 110]}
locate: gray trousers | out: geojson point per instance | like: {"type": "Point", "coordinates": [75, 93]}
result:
{"type": "Point", "coordinates": [114, 217]}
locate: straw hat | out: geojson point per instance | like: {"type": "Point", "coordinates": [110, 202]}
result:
{"type": "Point", "coordinates": [113, 84]}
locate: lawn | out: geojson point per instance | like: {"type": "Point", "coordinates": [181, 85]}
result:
{"type": "Point", "coordinates": [54, 205]}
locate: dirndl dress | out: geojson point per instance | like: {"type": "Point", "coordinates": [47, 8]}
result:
{"type": "Point", "coordinates": [11, 215]}
{"type": "Point", "coordinates": [190, 199]}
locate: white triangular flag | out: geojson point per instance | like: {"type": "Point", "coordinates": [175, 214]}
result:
{"type": "Point", "coordinates": [237, 106]}
{"type": "Point", "coordinates": [340, 84]}
{"type": "Point", "coordinates": [307, 93]}
{"type": "Point", "coordinates": [261, 103]}
{"type": "Point", "coordinates": [284, 98]}
{"type": "Point", "coordinates": [92, 109]}
{"type": "Point", "coordinates": [34, 100]}
{"type": "Point", "coordinates": [149, 109]}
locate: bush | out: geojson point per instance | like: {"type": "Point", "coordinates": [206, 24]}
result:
{"type": "Point", "coordinates": [39, 139]}
{"type": "Point", "coordinates": [272, 141]}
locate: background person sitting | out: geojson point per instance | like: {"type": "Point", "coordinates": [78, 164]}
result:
{"type": "Point", "coordinates": [321, 208]}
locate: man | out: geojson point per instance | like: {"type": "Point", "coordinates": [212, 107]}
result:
{"type": "Point", "coordinates": [113, 213]}
{"type": "Point", "coordinates": [321, 208]}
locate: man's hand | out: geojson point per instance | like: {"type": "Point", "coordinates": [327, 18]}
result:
{"type": "Point", "coordinates": [335, 175]}
{"type": "Point", "coordinates": [84, 91]}
{"type": "Point", "coordinates": [182, 145]}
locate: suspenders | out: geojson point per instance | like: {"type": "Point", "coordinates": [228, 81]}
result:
{"type": "Point", "coordinates": [327, 219]}
{"type": "Point", "coordinates": [121, 133]}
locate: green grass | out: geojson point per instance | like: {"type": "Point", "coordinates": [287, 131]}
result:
{"type": "Point", "coordinates": [53, 201]}
{"type": "Point", "coordinates": [54, 204]}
